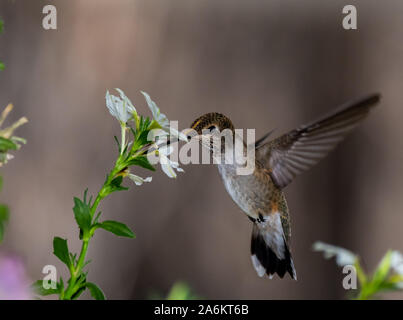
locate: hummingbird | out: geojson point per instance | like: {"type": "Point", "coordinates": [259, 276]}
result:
{"type": "Point", "coordinates": [277, 162]}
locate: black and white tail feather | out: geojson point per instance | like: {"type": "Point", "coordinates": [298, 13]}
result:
{"type": "Point", "coordinates": [270, 253]}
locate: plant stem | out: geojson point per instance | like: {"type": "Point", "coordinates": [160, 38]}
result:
{"type": "Point", "coordinates": [81, 259]}
{"type": "Point", "coordinates": [75, 271]}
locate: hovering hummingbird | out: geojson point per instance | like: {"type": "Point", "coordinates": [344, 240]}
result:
{"type": "Point", "coordinates": [260, 194]}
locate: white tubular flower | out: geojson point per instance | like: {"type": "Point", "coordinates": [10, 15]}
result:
{"type": "Point", "coordinates": [396, 262]}
{"type": "Point", "coordinates": [161, 119]}
{"type": "Point", "coordinates": [139, 180]}
{"type": "Point", "coordinates": [121, 108]}
{"type": "Point", "coordinates": [158, 136]}
{"type": "Point", "coordinates": [167, 165]}
{"type": "Point", "coordinates": [179, 135]}
{"type": "Point", "coordinates": [343, 256]}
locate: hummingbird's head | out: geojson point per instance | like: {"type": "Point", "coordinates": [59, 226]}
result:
{"type": "Point", "coordinates": [212, 126]}
{"type": "Point", "coordinates": [210, 122]}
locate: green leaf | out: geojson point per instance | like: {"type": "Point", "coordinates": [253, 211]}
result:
{"type": "Point", "coordinates": [141, 161]}
{"type": "Point", "coordinates": [6, 144]}
{"type": "Point", "coordinates": [117, 228]}
{"type": "Point", "coordinates": [61, 250]}
{"type": "Point", "coordinates": [117, 142]}
{"type": "Point", "coordinates": [140, 141]}
{"type": "Point", "coordinates": [4, 216]}
{"type": "Point", "coordinates": [85, 195]}
{"type": "Point", "coordinates": [95, 291]}
{"type": "Point", "coordinates": [4, 213]}
{"type": "Point", "coordinates": [2, 66]}
{"type": "Point", "coordinates": [144, 124]}
{"type": "Point", "coordinates": [116, 184]}
{"type": "Point", "coordinates": [383, 269]}
{"type": "Point", "coordinates": [1, 25]}
{"type": "Point", "coordinates": [362, 277]}
{"type": "Point", "coordinates": [82, 214]}
{"type": "Point", "coordinates": [82, 279]}
{"type": "Point", "coordinates": [37, 287]}
{"type": "Point", "coordinates": [78, 293]}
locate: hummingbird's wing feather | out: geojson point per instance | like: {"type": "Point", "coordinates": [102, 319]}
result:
{"type": "Point", "coordinates": [300, 149]}
{"type": "Point", "coordinates": [260, 142]}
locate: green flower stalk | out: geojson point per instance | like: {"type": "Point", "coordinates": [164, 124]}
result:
{"type": "Point", "coordinates": [388, 275]}
{"type": "Point", "coordinates": [4, 215]}
{"type": "Point", "coordinates": [8, 142]}
{"type": "Point", "coordinates": [133, 147]}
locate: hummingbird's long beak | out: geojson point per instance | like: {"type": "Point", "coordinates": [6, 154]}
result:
{"type": "Point", "coordinates": [190, 130]}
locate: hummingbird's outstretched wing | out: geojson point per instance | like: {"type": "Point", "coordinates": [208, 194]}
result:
{"type": "Point", "coordinates": [300, 149]}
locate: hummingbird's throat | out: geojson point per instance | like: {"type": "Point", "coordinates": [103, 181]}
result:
{"type": "Point", "coordinates": [231, 151]}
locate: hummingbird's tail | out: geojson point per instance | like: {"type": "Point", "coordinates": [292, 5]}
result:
{"type": "Point", "coordinates": [269, 256]}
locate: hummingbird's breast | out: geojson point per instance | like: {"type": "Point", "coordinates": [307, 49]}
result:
{"type": "Point", "coordinates": [255, 194]}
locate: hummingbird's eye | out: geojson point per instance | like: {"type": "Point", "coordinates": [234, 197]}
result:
{"type": "Point", "coordinates": [211, 128]}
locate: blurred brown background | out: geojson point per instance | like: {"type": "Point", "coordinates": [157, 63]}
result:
{"type": "Point", "coordinates": [266, 64]}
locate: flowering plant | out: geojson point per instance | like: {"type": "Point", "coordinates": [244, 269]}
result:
{"type": "Point", "coordinates": [388, 276]}
{"type": "Point", "coordinates": [136, 142]}
{"type": "Point", "coordinates": [8, 142]}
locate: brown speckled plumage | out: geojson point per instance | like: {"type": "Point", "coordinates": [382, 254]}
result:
{"type": "Point", "coordinates": [212, 118]}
